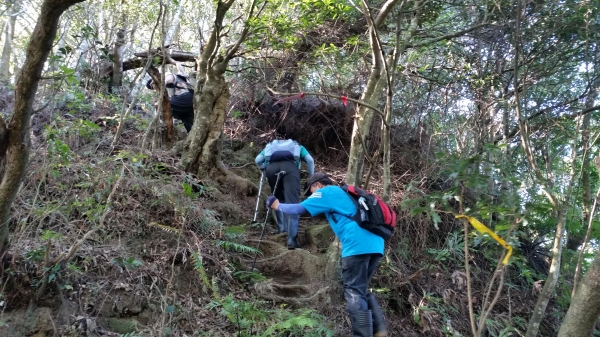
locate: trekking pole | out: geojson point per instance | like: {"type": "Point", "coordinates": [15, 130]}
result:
{"type": "Point", "coordinates": [262, 176]}
{"type": "Point", "coordinates": [265, 223]}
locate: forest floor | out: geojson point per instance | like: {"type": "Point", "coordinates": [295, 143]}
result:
{"type": "Point", "coordinates": [167, 254]}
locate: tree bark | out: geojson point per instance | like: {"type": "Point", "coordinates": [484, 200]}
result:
{"type": "Point", "coordinates": [371, 95]}
{"type": "Point", "coordinates": [9, 34]}
{"type": "Point", "coordinates": [576, 239]}
{"type": "Point", "coordinates": [560, 206]}
{"type": "Point", "coordinates": [165, 105]}
{"type": "Point", "coordinates": [117, 74]}
{"type": "Point", "coordinates": [17, 152]}
{"type": "Point", "coordinates": [202, 149]}
{"type": "Point", "coordinates": [390, 71]}
{"type": "Point", "coordinates": [585, 305]}
{"type": "Point", "coordinates": [174, 25]}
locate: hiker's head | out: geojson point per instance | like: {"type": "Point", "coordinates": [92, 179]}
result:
{"type": "Point", "coordinates": [317, 181]}
{"type": "Point", "coordinates": [169, 80]}
{"type": "Point", "coordinates": [278, 136]}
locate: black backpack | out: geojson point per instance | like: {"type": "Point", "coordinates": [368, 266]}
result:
{"type": "Point", "coordinates": [372, 213]}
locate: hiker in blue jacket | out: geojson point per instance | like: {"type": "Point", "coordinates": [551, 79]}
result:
{"type": "Point", "coordinates": [286, 155]}
{"type": "Point", "coordinates": [361, 249]}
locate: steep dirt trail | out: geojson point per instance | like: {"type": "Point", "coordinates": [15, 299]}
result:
{"type": "Point", "coordinates": [301, 277]}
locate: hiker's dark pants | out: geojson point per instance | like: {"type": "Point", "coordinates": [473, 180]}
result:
{"type": "Point", "coordinates": [182, 108]}
{"type": "Point", "coordinates": [288, 191]}
{"type": "Point", "coordinates": [357, 271]}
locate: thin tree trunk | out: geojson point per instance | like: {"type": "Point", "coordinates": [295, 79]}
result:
{"type": "Point", "coordinates": [575, 240]}
{"type": "Point", "coordinates": [17, 153]}
{"type": "Point", "coordinates": [585, 305]}
{"type": "Point", "coordinates": [117, 74]}
{"type": "Point", "coordinates": [390, 71]}
{"type": "Point", "coordinates": [9, 34]}
{"type": "Point", "coordinates": [371, 95]}
{"type": "Point", "coordinates": [559, 206]}
{"type": "Point", "coordinates": [174, 25]}
{"type": "Point", "coordinates": [164, 102]}
{"type": "Point", "coordinates": [364, 115]}
{"type": "Point", "coordinates": [124, 113]}
{"type": "Point", "coordinates": [136, 90]}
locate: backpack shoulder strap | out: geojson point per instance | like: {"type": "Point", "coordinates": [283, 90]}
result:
{"type": "Point", "coordinates": [354, 218]}
{"type": "Point", "coordinates": [183, 80]}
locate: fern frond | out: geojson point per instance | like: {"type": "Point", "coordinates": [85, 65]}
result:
{"type": "Point", "coordinates": [215, 285]}
{"type": "Point", "coordinates": [197, 259]}
{"type": "Point", "coordinates": [304, 320]}
{"type": "Point", "coordinates": [232, 232]}
{"type": "Point", "coordinates": [237, 247]}
{"type": "Point", "coordinates": [164, 228]}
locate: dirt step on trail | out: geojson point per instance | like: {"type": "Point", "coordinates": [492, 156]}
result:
{"type": "Point", "coordinates": [301, 277]}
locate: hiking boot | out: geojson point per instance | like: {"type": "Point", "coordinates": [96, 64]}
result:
{"type": "Point", "coordinates": [379, 326]}
{"type": "Point", "coordinates": [281, 227]}
{"type": "Point", "coordinates": [292, 230]}
{"type": "Point", "coordinates": [292, 243]}
{"type": "Point", "coordinates": [362, 323]}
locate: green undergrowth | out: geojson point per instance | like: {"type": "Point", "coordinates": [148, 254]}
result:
{"type": "Point", "coordinates": [163, 244]}
{"type": "Point", "coordinates": [151, 226]}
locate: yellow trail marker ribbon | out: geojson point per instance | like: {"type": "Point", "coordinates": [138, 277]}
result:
{"type": "Point", "coordinates": [483, 229]}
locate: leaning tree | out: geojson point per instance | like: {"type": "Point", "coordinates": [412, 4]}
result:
{"type": "Point", "coordinates": [14, 135]}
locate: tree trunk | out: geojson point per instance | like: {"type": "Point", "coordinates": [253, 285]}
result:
{"type": "Point", "coordinates": [371, 95]}
{"type": "Point", "coordinates": [550, 283]}
{"type": "Point", "coordinates": [165, 106]}
{"type": "Point", "coordinates": [364, 115]}
{"type": "Point", "coordinates": [9, 34]}
{"type": "Point", "coordinates": [576, 239]}
{"type": "Point", "coordinates": [392, 64]}
{"type": "Point", "coordinates": [117, 74]}
{"type": "Point", "coordinates": [202, 149]}
{"type": "Point", "coordinates": [362, 126]}
{"type": "Point", "coordinates": [560, 206]}
{"type": "Point", "coordinates": [174, 25]}
{"type": "Point", "coordinates": [585, 305]}
{"type": "Point", "coordinates": [17, 153]}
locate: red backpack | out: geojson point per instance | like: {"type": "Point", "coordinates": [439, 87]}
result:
{"type": "Point", "coordinates": [372, 213]}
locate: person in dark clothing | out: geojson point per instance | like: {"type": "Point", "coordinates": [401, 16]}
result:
{"type": "Point", "coordinates": [181, 98]}
{"type": "Point", "coordinates": [286, 155]}
{"type": "Point", "coordinates": [182, 108]}
{"type": "Point", "coordinates": [361, 250]}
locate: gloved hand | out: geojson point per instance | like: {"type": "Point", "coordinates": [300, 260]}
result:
{"type": "Point", "coordinates": [270, 200]}
{"type": "Point", "coordinates": [262, 167]}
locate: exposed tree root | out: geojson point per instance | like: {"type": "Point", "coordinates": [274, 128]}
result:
{"type": "Point", "coordinates": [240, 185]}
{"type": "Point", "coordinates": [296, 277]}
{"type": "Point", "coordinates": [294, 295]}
